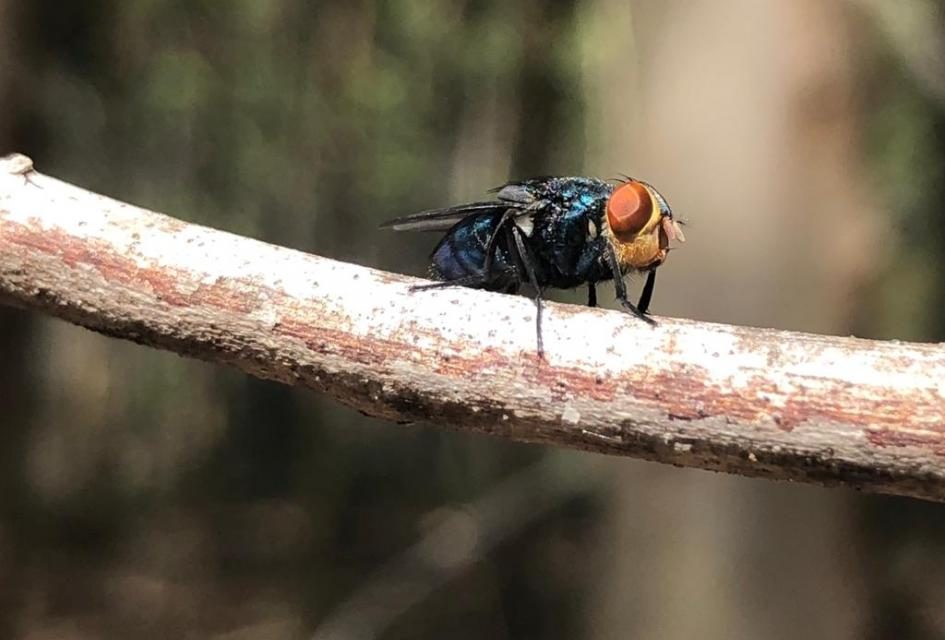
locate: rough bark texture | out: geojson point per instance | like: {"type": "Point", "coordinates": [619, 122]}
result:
{"type": "Point", "coordinates": [752, 401]}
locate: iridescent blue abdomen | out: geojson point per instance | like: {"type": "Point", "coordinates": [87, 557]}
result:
{"type": "Point", "coordinates": [461, 254]}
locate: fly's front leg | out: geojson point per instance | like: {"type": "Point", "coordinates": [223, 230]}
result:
{"type": "Point", "coordinates": [591, 294]}
{"type": "Point", "coordinates": [643, 304]}
{"type": "Point", "coordinates": [621, 287]}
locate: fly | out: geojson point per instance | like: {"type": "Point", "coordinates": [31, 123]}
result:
{"type": "Point", "coordinates": [552, 232]}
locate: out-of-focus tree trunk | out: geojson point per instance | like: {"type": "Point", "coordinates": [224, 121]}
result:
{"type": "Point", "coordinates": [15, 337]}
{"type": "Point", "coordinates": [774, 182]}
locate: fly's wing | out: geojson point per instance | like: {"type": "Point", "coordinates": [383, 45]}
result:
{"type": "Point", "coordinates": [524, 192]}
{"type": "Point", "coordinates": [524, 197]}
{"type": "Point", "coordinates": [440, 219]}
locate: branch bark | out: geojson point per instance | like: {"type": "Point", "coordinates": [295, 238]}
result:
{"type": "Point", "coordinates": [757, 402]}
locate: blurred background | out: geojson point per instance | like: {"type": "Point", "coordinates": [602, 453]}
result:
{"type": "Point", "coordinates": [148, 496]}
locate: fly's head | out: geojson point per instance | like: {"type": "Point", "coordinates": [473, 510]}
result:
{"type": "Point", "coordinates": [640, 226]}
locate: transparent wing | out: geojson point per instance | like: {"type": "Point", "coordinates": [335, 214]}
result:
{"type": "Point", "coordinates": [443, 219]}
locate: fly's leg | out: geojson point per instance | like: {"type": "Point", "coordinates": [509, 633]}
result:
{"type": "Point", "coordinates": [524, 257]}
{"type": "Point", "coordinates": [621, 287]}
{"type": "Point", "coordinates": [644, 302]}
{"type": "Point", "coordinates": [591, 294]}
{"type": "Point", "coordinates": [492, 246]}
{"type": "Point", "coordinates": [474, 281]}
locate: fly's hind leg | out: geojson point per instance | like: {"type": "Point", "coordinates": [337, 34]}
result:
{"type": "Point", "coordinates": [474, 280]}
{"type": "Point", "coordinates": [507, 281]}
{"type": "Point", "coordinates": [591, 294]}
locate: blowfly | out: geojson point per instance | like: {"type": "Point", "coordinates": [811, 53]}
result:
{"type": "Point", "coordinates": [552, 232]}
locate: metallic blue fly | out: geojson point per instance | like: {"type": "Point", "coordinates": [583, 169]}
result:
{"type": "Point", "coordinates": [552, 232]}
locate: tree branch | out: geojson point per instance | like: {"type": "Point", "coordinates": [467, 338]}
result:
{"type": "Point", "coordinates": [757, 402]}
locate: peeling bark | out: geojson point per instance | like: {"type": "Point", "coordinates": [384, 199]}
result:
{"type": "Point", "coordinates": [756, 402]}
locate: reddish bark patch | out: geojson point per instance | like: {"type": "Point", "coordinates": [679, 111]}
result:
{"type": "Point", "coordinates": [343, 344]}
{"type": "Point", "coordinates": [693, 397]}
{"type": "Point", "coordinates": [566, 383]}
{"type": "Point", "coordinates": [239, 295]}
{"type": "Point", "coordinates": [175, 287]}
{"type": "Point", "coordinates": [927, 440]}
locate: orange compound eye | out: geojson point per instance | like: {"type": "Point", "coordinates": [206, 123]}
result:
{"type": "Point", "coordinates": [629, 209]}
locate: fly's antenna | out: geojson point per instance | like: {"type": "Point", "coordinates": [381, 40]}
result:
{"type": "Point", "coordinates": [622, 178]}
